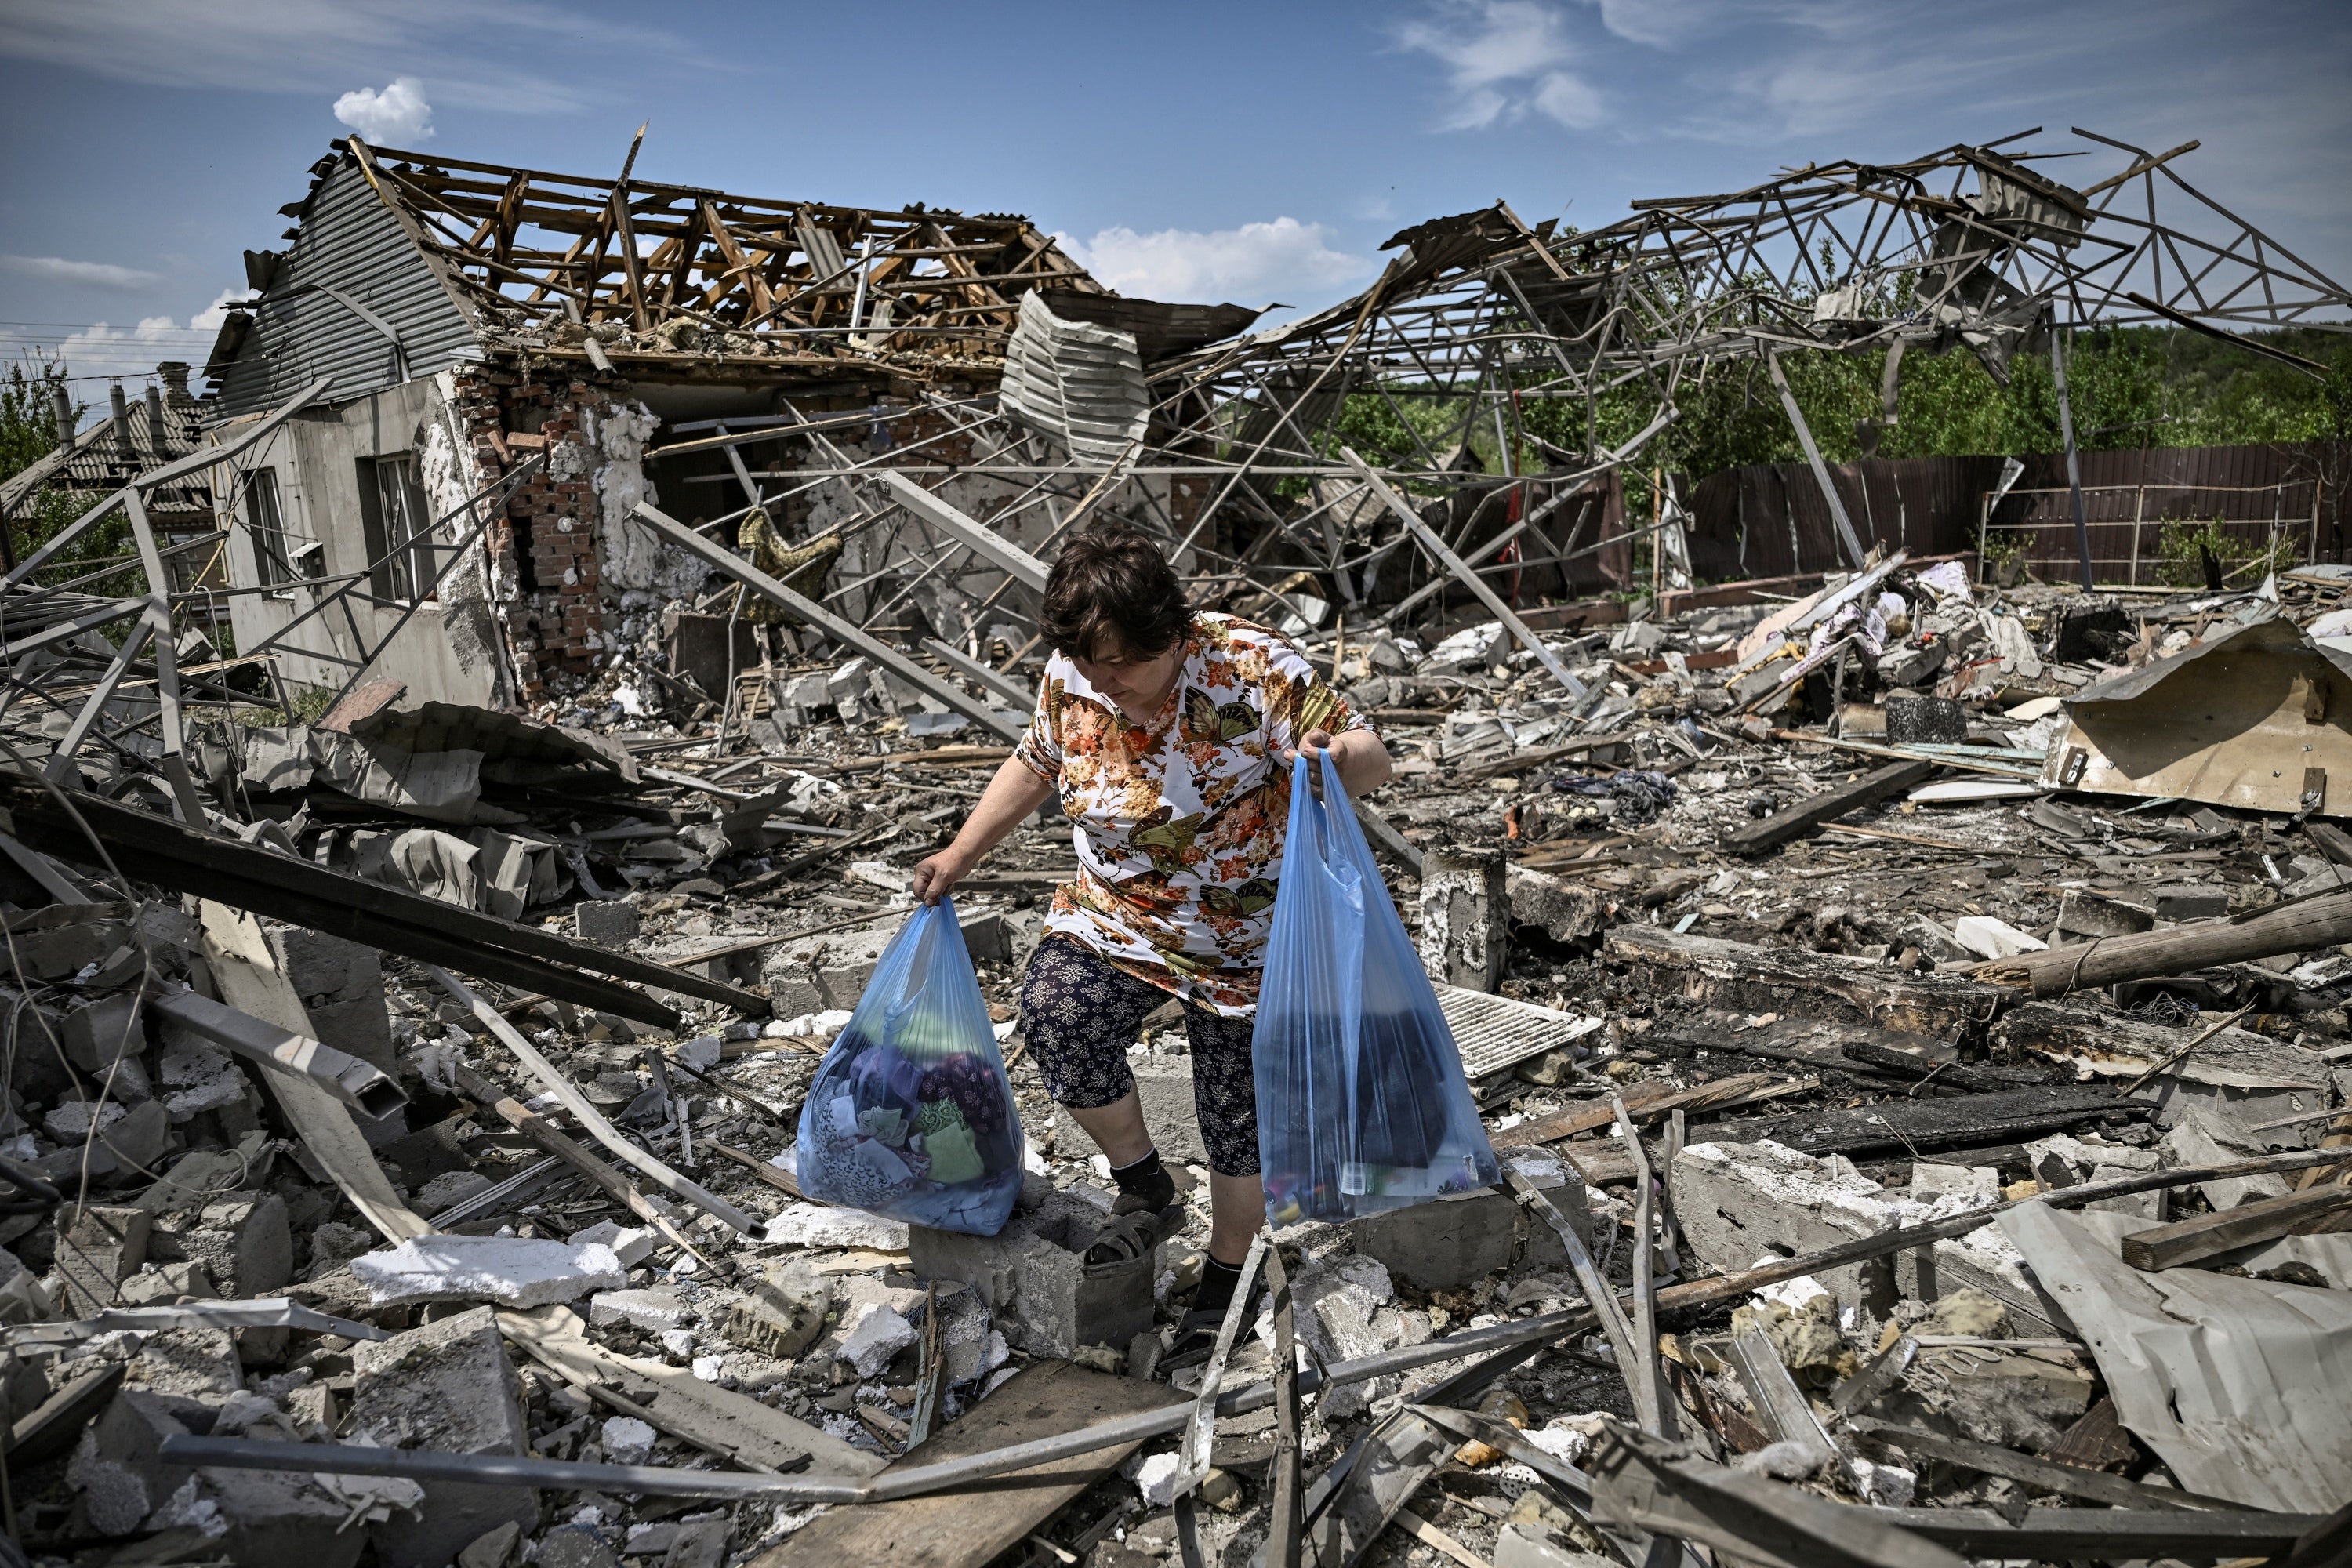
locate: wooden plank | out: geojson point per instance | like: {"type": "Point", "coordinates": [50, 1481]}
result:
{"type": "Point", "coordinates": [964, 1530]}
{"type": "Point", "coordinates": [2323, 921]}
{"type": "Point", "coordinates": [376, 914]}
{"type": "Point", "coordinates": [1797, 984]}
{"type": "Point", "coordinates": [1898, 1125]}
{"type": "Point", "coordinates": [1804, 817]}
{"type": "Point", "coordinates": [2309, 1212]}
{"type": "Point", "coordinates": [1644, 1103]}
{"type": "Point", "coordinates": [673, 1400]}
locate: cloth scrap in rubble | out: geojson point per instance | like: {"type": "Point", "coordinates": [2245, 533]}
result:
{"type": "Point", "coordinates": [1639, 795]}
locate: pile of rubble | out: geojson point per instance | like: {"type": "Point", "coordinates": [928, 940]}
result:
{"type": "Point", "coordinates": [1910, 1154]}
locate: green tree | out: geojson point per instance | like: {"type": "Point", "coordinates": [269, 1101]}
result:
{"type": "Point", "coordinates": [29, 432]}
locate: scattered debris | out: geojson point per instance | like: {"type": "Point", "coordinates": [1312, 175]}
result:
{"type": "Point", "coordinates": [1908, 998]}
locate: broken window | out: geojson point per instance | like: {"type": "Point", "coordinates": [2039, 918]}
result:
{"type": "Point", "coordinates": [273, 557]}
{"type": "Point", "coordinates": [399, 527]}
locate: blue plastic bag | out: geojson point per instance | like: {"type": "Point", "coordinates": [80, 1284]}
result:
{"type": "Point", "coordinates": [1362, 1103]}
{"type": "Point", "coordinates": [910, 1114]}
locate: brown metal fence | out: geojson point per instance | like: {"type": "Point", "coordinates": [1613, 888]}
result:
{"type": "Point", "coordinates": [1769, 520]}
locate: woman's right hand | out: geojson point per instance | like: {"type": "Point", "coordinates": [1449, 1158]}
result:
{"type": "Point", "coordinates": [936, 878]}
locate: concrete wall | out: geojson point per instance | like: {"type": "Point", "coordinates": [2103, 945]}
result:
{"type": "Point", "coordinates": [447, 651]}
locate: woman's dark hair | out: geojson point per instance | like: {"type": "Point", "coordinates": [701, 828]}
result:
{"type": "Point", "coordinates": [1112, 579]}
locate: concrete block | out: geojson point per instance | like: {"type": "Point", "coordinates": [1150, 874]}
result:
{"type": "Point", "coordinates": [97, 1032]}
{"type": "Point", "coordinates": [1924, 720]}
{"type": "Point", "coordinates": [626, 1440]}
{"type": "Point", "coordinates": [418, 1157]}
{"type": "Point", "coordinates": [631, 1244]}
{"type": "Point", "coordinates": [653, 1310]}
{"type": "Point", "coordinates": [493, 1549]}
{"type": "Point", "coordinates": [1034, 1276]}
{"type": "Point", "coordinates": [784, 1314]}
{"type": "Point", "coordinates": [341, 986]}
{"type": "Point", "coordinates": [117, 1466]}
{"type": "Point", "coordinates": [876, 1339]}
{"type": "Point", "coordinates": [1338, 1306]}
{"type": "Point", "coordinates": [1465, 918]}
{"type": "Point", "coordinates": [2083, 914]}
{"type": "Point", "coordinates": [1443, 1244]}
{"type": "Point", "coordinates": [514, 1271]}
{"type": "Point", "coordinates": [244, 1241]}
{"type": "Point", "coordinates": [271, 1516]}
{"type": "Point", "coordinates": [160, 1284]}
{"type": "Point", "coordinates": [199, 1364]}
{"type": "Point", "coordinates": [1739, 1201]}
{"type": "Point", "coordinates": [1164, 1086]}
{"type": "Point", "coordinates": [574, 1546]}
{"type": "Point", "coordinates": [607, 922]}
{"type": "Point", "coordinates": [359, 1027]}
{"type": "Point", "coordinates": [1561, 909]}
{"type": "Point", "coordinates": [98, 1249]}
{"type": "Point", "coordinates": [815, 1225]}
{"type": "Point", "coordinates": [1540, 1248]}
{"type": "Point", "coordinates": [1532, 1546]}
{"type": "Point", "coordinates": [447, 1386]}
{"type": "Point", "coordinates": [2189, 901]}
{"type": "Point", "coordinates": [1912, 666]}
{"type": "Point", "coordinates": [450, 1189]}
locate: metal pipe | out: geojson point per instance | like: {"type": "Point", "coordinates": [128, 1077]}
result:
{"type": "Point", "coordinates": [2060, 343]}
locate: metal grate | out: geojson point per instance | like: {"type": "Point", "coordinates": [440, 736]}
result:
{"type": "Point", "coordinates": [1495, 1032]}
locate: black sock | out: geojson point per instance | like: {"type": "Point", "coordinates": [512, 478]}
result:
{"type": "Point", "coordinates": [1147, 1179]}
{"type": "Point", "coordinates": [1218, 1282]}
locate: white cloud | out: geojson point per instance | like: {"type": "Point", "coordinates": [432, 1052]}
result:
{"type": "Point", "coordinates": [1658, 22]}
{"type": "Point", "coordinates": [492, 54]}
{"type": "Point", "coordinates": [1504, 58]}
{"type": "Point", "coordinates": [90, 274]}
{"type": "Point", "coordinates": [397, 114]}
{"type": "Point", "coordinates": [133, 352]}
{"type": "Point", "coordinates": [1256, 261]}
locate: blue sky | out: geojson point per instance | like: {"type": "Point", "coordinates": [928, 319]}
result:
{"type": "Point", "coordinates": [1208, 152]}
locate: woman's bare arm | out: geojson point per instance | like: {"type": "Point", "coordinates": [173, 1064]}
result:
{"type": "Point", "coordinates": [1012, 796]}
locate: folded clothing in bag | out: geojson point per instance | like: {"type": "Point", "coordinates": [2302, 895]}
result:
{"type": "Point", "coordinates": [1361, 1100]}
{"type": "Point", "coordinates": [910, 1114]}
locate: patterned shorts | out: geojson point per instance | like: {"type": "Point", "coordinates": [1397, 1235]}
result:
{"type": "Point", "coordinates": [1079, 1014]}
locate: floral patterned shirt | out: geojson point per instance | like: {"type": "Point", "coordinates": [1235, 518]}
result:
{"type": "Point", "coordinates": [1178, 823]}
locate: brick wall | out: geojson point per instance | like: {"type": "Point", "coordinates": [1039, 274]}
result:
{"type": "Point", "coordinates": [542, 551]}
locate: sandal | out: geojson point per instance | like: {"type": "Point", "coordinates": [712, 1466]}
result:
{"type": "Point", "coordinates": [1136, 1227]}
{"type": "Point", "coordinates": [1196, 1334]}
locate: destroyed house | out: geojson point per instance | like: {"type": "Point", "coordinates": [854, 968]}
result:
{"type": "Point", "coordinates": [167, 425]}
{"type": "Point", "coordinates": [499, 348]}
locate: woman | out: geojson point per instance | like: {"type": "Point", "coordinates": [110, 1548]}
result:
{"type": "Point", "coordinates": [1169, 736]}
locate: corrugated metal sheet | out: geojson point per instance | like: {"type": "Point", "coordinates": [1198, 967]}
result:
{"type": "Point", "coordinates": [1077, 382]}
{"type": "Point", "coordinates": [1769, 520]}
{"type": "Point", "coordinates": [350, 242]}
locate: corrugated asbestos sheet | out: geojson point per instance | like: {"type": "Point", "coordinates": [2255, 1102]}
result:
{"type": "Point", "coordinates": [1079, 384]}
{"type": "Point", "coordinates": [1769, 520]}
{"type": "Point", "coordinates": [347, 242]}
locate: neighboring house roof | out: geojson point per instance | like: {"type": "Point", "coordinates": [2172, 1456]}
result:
{"type": "Point", "coordinates": [110, 453]}
{"type": "Point", "coordinates": [404, 263]}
